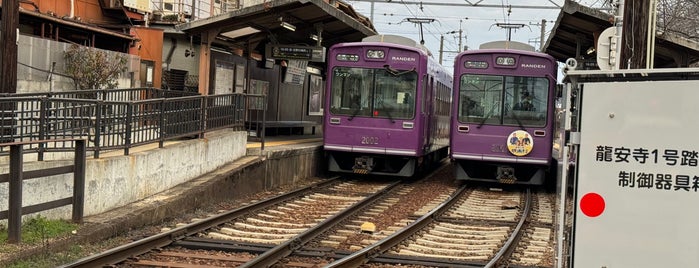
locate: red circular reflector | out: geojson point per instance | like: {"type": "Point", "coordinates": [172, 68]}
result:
{"type": "Point", "coordinates": [376, 113]}
{"type": "Point", "coordinates": [592, 204]}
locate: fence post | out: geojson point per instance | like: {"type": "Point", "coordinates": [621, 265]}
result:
{"type": "Point", "coordinates": [240, 109]}
{"type": "Point", "coordinates": [129, 125]}
{"type": "Point", "coordinates": [204, 116]}
{"type": "Point", "coordinates": [161, 141]}
{"type": "Point", "coordinates": [98, 127]}
{"type": "Point", "coordinates": [79, 181]}
{"type": "Point", "coordinates": [43, 128]}
{"type": "Point", "coordinates": [14, 219]}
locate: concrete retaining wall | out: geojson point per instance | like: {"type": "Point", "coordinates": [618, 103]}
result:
{"type": "Point", "coordinates": [115, 181]}
{"type": "Point", "coordinates": [241, 178]}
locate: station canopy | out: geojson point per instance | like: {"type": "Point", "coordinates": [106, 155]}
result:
{"type": "Point", "coordinates": [293, 22]}
{"type": "Point", "coordinates": [578, 26]}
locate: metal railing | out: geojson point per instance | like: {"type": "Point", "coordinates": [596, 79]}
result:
{"type": "Point", "coordinates": [118, 119]}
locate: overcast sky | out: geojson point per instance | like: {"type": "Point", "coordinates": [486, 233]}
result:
{"type": "Point", "coordinates": [477, 23]}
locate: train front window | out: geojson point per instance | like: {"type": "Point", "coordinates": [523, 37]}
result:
{"type": "Point", "coordinates": [480, 99]}
{"type": "Point", "coordinates": [383, 93]}
{"type": "Point", "coordinates": [526, 101]}
{"type": "Point", "coordinates": [503, 100]}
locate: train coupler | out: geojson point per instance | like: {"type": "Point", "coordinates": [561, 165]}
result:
{"type": "Point", "coordinates": [506, 175]}
{"type": "Point", "coordinates": [363, 165]}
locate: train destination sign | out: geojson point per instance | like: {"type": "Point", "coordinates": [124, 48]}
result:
{"type": "Point", "coordinates": [637, 175]}
{"type": "Point", "coordinates": [295, 52]}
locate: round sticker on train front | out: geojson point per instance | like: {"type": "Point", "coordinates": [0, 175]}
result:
{"type": "Point", "coordinates": [520, 143]}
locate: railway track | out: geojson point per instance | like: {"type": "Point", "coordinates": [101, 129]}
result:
{"type": "Point", "coordinates": [473, 228]}
{"type": "Point", "coordinates": [536, 246]}
{"type": "Point", "coordinates": [263, 226]}
{"type": "Point", "coordinates": [426, 223]}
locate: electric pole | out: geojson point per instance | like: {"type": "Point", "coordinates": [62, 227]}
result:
{"type": "Point", "coordinates": [8, 59]}
{"type": "Point", "coordinates": [8, 69]}
{"type": "Point", "coordinates": [441, 44]}
{"type": "Point", "coordinates": [441, 48]}
{"type": "Point", "coordinates": [634, 30]}
{"type": "Point", "coordinates": [542, 24]}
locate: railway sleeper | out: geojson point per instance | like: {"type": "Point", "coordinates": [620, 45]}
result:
{"type": "Point", "coordinates": [448, 251]}
{"type": "Point", "coordinates": [464, 258]}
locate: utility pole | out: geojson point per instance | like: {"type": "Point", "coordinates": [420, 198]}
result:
{"type": "Point", "coordinates": [461, 48]}
{"type": "Point", "coordinates": [542, 24]}
{"type": "Point", "coordinates": [8, 59]}
{"type": "Point", "coordinates": [634, 30]}
{"type": "Point", "coordinates": [460, 32]}
{"type": "Point", "coordinates": [441, 48]}
{"type": "Point", "coordinates": [441, 44]}
{"type": "Point", "coordinates": [8, 69]}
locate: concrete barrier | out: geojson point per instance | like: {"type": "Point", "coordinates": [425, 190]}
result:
{"type": "Point", "coordinates": [115, 181]}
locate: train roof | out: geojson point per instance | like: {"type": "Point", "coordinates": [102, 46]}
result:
{"type": "Point", "coordinates": [507, 50]}
{"type": "Point", "coordinates": [507, 45]}
{"type": "Point", "coordinates": [398, 40]}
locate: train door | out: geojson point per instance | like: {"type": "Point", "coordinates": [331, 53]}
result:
{"type": "Point", "coordinates": [428, 113]}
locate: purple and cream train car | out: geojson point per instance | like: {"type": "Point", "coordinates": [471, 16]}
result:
{"type": "Point", "coordinates": [388, 107]}
{"type": "Point", "coordinates": [504, 111]}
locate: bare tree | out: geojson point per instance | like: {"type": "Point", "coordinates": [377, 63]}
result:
{"type": "Point", "coordinates": [679, 17]}
{"type": "Point", "coordinates": [92, 68]}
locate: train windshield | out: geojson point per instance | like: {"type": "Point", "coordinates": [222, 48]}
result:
{"type": "Point", "coordinates": [383, 93]}
{"type": "Point", "coordinates": [503, 100]}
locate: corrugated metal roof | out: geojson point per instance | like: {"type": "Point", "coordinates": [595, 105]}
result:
{"type": "Point", "coordinates": [338, 20]}
{"type": "Point", "coordinates": [578, 26]}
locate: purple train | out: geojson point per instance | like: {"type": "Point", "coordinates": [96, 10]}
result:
{"type": "Point", "coordinates": [388, 107]}
{"type": "Point", "coordinates": [504, 111]}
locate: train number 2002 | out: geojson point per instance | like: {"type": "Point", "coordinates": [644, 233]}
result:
{"type": "Point", "coordinates": [370, 140]}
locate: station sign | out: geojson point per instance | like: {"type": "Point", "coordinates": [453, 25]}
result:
{"type": "Point", "coordinates": [637, 179]}
{"type": "Point", "coordinates": [295, 52]}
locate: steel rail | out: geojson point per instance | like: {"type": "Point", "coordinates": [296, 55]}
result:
{"type": "Point", "coordinates": [362, 256]}
{"type": "Point", "coordinates": [508, 247]}
{"type": "Point", "coordinates": [139, 247]}
{"type": "Point", "coordinates": [282, 250]}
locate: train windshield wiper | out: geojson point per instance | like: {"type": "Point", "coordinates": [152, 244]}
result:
{"type": "Point", "coordinates": [354, 113]}
{"type": "Point", "coordinates": [519, 122]}
{"type": "Point", "coordinates": [395, 72]}
{"type": "Point", "coordinates": [486, 117]}
{"type": "Point", "coordinates": [387, 113]}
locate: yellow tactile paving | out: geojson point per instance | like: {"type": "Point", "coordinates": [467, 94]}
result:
{"type": "Point", "coordinates": [284, 142]}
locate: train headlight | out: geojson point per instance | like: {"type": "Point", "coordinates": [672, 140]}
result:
{"type": "Point", "coordinates": [506, 61]}
{"type": "Point", "coordinates": [347, 57]}
{"type": "Point", "coordinates": [375, 54]}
